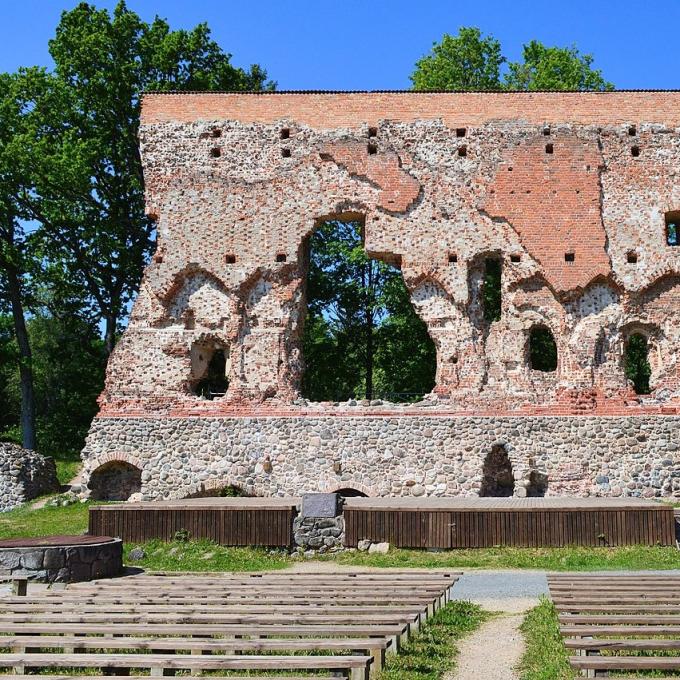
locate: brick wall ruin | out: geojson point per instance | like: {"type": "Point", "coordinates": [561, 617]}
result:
{"type": "Point", "coordinates": [571, 192]}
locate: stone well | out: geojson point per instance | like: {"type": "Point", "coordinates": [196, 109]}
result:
{"type": "Point", "coordinates": [64, 559]}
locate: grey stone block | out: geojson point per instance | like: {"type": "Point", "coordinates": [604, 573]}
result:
{"type": "Point", "coordinates": [320, 505]}
{"type": "Point", "coordinates": [32, 559]}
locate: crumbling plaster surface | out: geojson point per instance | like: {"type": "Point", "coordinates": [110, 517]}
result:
{"type": "Point", "coordinates": [237, 191]}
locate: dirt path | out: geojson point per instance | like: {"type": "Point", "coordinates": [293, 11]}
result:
{"type": "Point", "coordinates": [492, 652]}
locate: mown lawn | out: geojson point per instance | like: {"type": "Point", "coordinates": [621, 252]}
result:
{"type": "Point", "coordinates": [205, 556]}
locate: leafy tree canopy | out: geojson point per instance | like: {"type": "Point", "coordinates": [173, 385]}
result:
{"type": "Point", "coordinates": [471, 61]}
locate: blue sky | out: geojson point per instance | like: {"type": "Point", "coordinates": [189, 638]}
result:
{"type": "Point", "coordinates": [354, 44]}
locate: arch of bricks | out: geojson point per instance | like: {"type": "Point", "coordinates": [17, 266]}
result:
{"type": "Point", "coordinates": [547, 182]}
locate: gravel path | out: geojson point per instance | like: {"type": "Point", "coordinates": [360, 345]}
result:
{"type": "Point", "coordinates": [493, 651]}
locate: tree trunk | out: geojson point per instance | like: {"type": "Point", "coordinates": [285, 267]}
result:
{"type": "Point", "coordinates": [28, 435]}
{"type": "Point", "coordinates": [370, 350]}
{"type": "Point", "coordinates": [110, 333]}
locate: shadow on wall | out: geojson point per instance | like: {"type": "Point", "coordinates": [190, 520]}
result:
{"type": "Point", "coordinates": [115, 481]}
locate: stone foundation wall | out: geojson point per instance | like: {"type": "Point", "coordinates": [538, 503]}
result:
{"type": "Point", "coordinates": [24, 474]}
{"type": "Point", "coordinates": [392, 455]}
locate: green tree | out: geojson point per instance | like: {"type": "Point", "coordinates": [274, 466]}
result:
{"type": "Point", "coordinates": [471, 61]}
{"type": "Point", "coordinates": [362, 334]}
{"type": "Point", "coordinates": [463, 62]}
{"type": "Point", "coordinates": [92, 217]}
{"type": "Point", "coordinates": [554, 68]}
{"type": "Point", "coordinates": [25, 99]}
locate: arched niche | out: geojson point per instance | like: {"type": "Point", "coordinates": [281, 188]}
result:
{"type": "Point", "coordinates": [115, 480]}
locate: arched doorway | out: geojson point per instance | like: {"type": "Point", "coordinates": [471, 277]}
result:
{"type": "Point", "coordinates": [498, 480]}
{"type": "Point", "coordinates": [116, 480]}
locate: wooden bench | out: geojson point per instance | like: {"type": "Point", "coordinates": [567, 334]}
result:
{"type": "Point", "coordinates": [228, 622]}
{"type": "Point", "coordinates": [618, 613]}
{"type": "Point", "coordinates": [354, 667]}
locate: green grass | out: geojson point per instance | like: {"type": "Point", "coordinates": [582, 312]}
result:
{"type": "Point", "coordinates": [573, 558]}
{"type": "Point", "coordinates": [23, 521]}
{"type": "Point", "coordinates": [68, 465]}
{"type": "Point", "coordinates": [205, 556]}
{"type": "Point", "coordinates": [545, 657]}
{"type": "Point", "coordinates": [430, 653]}
{"type": "Point", "coordinates": [73, 520]}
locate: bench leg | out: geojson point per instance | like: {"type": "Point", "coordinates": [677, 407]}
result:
{"type": "Point", "coordinates": [359, 673]}
{"type": "Point", "coordinates": [378, 660]}
{"type": "Point", "coordinates": [19, 670]}
{"type": "Point", "coordinates": [19, 586]}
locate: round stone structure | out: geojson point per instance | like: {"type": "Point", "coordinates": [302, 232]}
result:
{"type": "Point", "coordinates": [64, 559]}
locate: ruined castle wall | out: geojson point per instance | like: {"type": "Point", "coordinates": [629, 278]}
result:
{"type": "Point", "coordinates": [570, 191]}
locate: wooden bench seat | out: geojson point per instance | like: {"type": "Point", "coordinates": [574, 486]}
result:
{"type": "Point", "coordinates": [262, 630]}
{"type": "Point", "coordinates": [357, 667]}
{"type": "Point", "coordinates": [180, 617]}
{"type": "Point", "coordinates": [53, 676]}
{"type": "Point", "coordinates": [619, 630]}
{"type": "Point", "coordinates": [620, 619]}
{"type": "Point", "coordinates": [605, 643]}
{"type": "Point", "coordinates": [373, 647]}
{"type": "Point", "coordinates": [625, 663]}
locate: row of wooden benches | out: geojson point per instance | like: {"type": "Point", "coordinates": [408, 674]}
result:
{"type": "Point", "coordinates": [339, 623]}
{"type": "Point", "coordinates": [619, 622]}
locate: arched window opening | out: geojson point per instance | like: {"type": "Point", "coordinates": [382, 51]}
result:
{"type": "Point", "coordinates": [209, 369]}
{"type": "Point", "coordinates": [116, 480]}
{"type": "Point", "coordinates": [636, 363]}
{"type": "Point", "coordinates": [542, 350]}
{"type": "Point", "coordinates": [673, 228]}
{"type": "Point", "coordinates": [362, 337]}
{"type": "Point", "coordinates": [491, 289]}
{"type": "Point", "coordinates": [498, 480]}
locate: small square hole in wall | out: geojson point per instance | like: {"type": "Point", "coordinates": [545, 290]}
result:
{"type": "Point", "coordinates": [569, 257]}
{"type": "Point", "coordinates": [281, 257]}
{"type": "Point", "coordinates": [372, 149]}
{"type": "Point", "coordinates": [373, 132]}
{"type": "Point", "coordinates": [635, 151]}
{"type": "Point", "coordinates": [453, 258]}
{"type": "Point", "coordinates": [216, 132]}
{"type": "Point", "coordinates": [632, 130]}
{"type": "Point", "coordinates": [230, 258]}
{"type": "Point", "coordinates": [461, 132]}
{"type": "Point", "coordinates": [462, 151]}
{"type": "Point", "coordinates": [285, 133]}
{"type": "Point", "coordinates": [285, 153]}
{"type": "Point", "coordinates": [631, 257]}
{"type": "Point", "coordinates": [510, 168]}
{"type": "Point", "coordinates": [548, 148]}
{"type": "Point", "coordinates": [216, 152]}
{"type": "Point", "coordinates": [546, 131]}
{"type": "Point", "coordinates": [515, 257]}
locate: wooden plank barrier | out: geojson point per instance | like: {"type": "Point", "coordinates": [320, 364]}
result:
{"type": "Point", "coordinates": [520, 522]}
{"type": "Point", "coordinates": [273, 623]}
{"type": "Point", "coordinates": [619, 622]}
{"type": "Point", "coordinates": [227, 521]}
